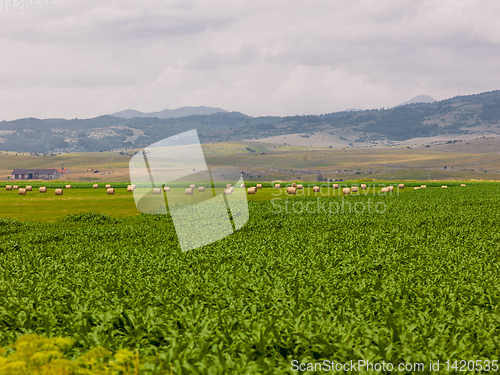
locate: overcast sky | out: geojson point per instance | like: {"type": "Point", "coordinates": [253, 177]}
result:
{"type": "Point", "coordinates": [88, 58]}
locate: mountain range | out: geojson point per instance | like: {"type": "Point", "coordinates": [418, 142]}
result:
{"type": "Point", "coordinates": [169, 113]}
{"type": "Point", "coordinates": [419, 99]}
{"type": "Point", "coordinates": [456, 118]}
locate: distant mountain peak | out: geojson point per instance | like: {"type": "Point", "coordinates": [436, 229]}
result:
{"type": "Point", "coordinates": [169, 113]}
{"type": "Point", "coordinates": [419, 99]}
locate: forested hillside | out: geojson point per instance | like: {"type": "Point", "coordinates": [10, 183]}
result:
{"type": "Point", "coordinates": [461, 115]}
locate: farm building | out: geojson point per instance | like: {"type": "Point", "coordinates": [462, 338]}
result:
{"type": "Point", "coordinates": [63, 171]}
{"type": "Point", "coordinates": [30, 174]}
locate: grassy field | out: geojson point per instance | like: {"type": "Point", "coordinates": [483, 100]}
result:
{"type": "Point", "coordinates": [112, 166]}
{"type": "Point", "coordinates": [477, 159]}
{"type": "Point", "coordinates": [416, 280]}
{"type": "Point", "coordinates": [47, 207]}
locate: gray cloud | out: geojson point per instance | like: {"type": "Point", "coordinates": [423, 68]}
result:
{"type": "Point", "coordinates": [86, 58]}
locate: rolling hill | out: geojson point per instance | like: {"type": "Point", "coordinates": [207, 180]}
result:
{"type": "Point", "coordinates": [461, 117]}
{"type": "Point", "coordinates": [419, 99]}
{"type": "Point", "coordinates": [169, 113]}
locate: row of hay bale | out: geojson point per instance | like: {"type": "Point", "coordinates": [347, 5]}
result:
{"type": "Point", "coordinates": [442, 186]}
{"type": "Point", "coordinates": [253, 189]}
{"type": "Point", "coordinates": [189, 191]}
{"type": "Point", "coordinates": [96, 186]}
{"type": "Point", "coordinates": [43, 189]}
{"type": "Point", "coordinates": [336, 186]}
{"type": "Point", "coordinates": [22, 191]}
{"type": "Point", "coordinates": [28, 187]}
{"type": "Point", "coordinates": [294, 185]}
{"type": "Point", "coordinates": [108, 188]}
{"type": "Point", "coordinates": [347, 191]}
{"type": "Point", "coordinates": [16, 187]}
{"type": "Point", "coordinates": [228, 190]}
{"type": "Point", "coordinates": [292, 190]}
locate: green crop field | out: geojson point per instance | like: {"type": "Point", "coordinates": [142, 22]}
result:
{"type": "Point", "coordinates": [413, 280]}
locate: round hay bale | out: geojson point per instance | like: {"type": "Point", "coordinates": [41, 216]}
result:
{"type": "Point", "coordinates": [59, 191]}
{"type": "Point", "coordinates": [96, 186]}
{"type": "Point", "coordinates": [252, 190]}
{"type": "Point", "coordinates": [401, 186]}
{"type": "Point", "coordinates": [133, 186]}
{"type": "Point", "coordinates": [8, 187]}
{"type": "Point", "coordinates": [416, 188]}
{"type": "Point", "coordinates": [423, 186]}
{"type": "Point", "coordinates": [29, 188]}
{"type": "Point", "coordinates": [242, 186]}
{"type": "Point", "coordinates": [189, 191]}
{"type": "Point", "coordinates": [335, 186]}
{"type": "Point", "coordinates": [354, 189]}
{"type": "Point", "coordinates": [166, 188]}
{"type": "Point", "coordinates": [15, 187]}
{"type": "Point", "coordinates": [42, 189]}
{"type": "Point", "coordinates": [228, 191]}
{"type": "Point", "coordinates": [299, 187]}
{"type": "Point", "coordinates": [68, 186]}
{"type": "Point", "coordinates": [291, 190]}
{"type": "Point", "coordinates": [346, 191]}
{"type": "Point", "coordinates": [22, 191]}
{"type": "Point", "coordinates": [316, 189]}
{"type": "Point", "coordinates": [384, 190]}
{"type": "Point", "coordinates": [363, 186]}
{"type": "Point", "coordinates": [444, 187]}
{"type": "Point", "coordinates": [130, 188]}
{"type": "Point", "coordinates": [277, 186]}
{"type": "Point", "coordinates": [294, 185]}
{"type": "Point", "coordinates": [107, 186]}
{"type": "Point", "coordinates": [157, 191]}
{"type": "Point", "coordinates": [259, 186]}
{"type": "Point", "coordinates": [390, 188]}
{"type": "Point", "coordinates": [201, 188]}
{"type": "Point", "coordinates": [463, 185]}
{"type": "Point", "coordinates": [193, 186]}
{"type": "Point", "coordinates": [110, 191]}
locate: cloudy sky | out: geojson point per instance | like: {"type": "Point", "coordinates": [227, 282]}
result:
{"type": "Point", "coordinates": [88, 58]}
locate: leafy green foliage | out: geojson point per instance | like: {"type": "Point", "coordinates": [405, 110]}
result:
{"type": "Point", "coordinates": [90, 217]}
{"type": "Point", "coordinates": [418, 282]}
